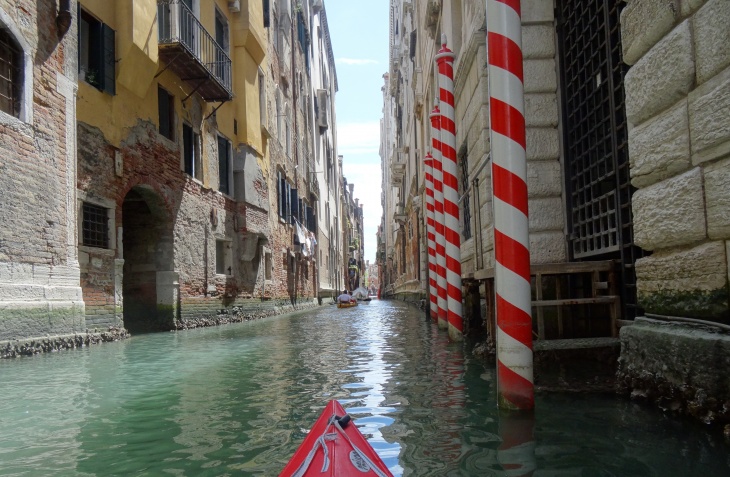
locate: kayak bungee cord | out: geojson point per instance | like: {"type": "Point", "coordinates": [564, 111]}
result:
{"type": "Point", "coordinates": [362, 462]}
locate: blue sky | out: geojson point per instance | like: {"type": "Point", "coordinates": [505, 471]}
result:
{"type": "Point", "coordinates": [359, 32]}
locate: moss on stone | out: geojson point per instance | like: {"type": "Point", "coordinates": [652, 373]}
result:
{"type": "Point", "coordinates": [711, 305]}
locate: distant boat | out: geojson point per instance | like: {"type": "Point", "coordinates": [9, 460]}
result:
{"type": "Point", "coordinates": [335, 446]}
{"type": "Point", "coordinates": [360, 293]}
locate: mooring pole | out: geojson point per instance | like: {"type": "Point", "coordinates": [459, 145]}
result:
{"type": "Point", "coordinates": [445, 61]}
{"type": "Point", "coordinates": [509, 189]}
{"type": "Point", "coordinates": [431, 238]}
{"type": "Point", "coordinates": [438, 204]}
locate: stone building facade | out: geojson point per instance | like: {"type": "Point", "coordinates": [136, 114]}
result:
{"type": "Point", "coordinates": [626, 111]}
{"type": "Point", "coordinates": [352, 235]}
{"type": "Point", "coordinates": [172, 184]}
{"type": "Point", "coordinates": [177, 150]}
{"type": "Point", "coordinates": [325, 172]}
{"type": "Point", "coordinates": [39, 270]}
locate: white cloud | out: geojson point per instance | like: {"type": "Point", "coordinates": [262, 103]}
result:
{"type": "Point", "coordinates": [367, 180]}
{"type": "Point", "coordinates": [358, 138]}
{"type": "Point", "coordinates": [356, 61]}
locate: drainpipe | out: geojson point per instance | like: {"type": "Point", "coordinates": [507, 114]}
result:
{"type": "Point", "coordinates": [63, 18]}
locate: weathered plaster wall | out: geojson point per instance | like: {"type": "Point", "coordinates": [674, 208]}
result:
{"type": "Point", "coordinates": [677, 103]}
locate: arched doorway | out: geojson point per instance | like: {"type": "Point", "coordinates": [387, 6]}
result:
{"type": "Point", "coordinates": [149, 283]}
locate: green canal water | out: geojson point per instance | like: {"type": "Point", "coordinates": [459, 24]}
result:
{"type": "Point", "coordinates": [238, 400]}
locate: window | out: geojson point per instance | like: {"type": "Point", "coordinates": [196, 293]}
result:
{"type": "Point", "coordinates": [262, 100]}
{"type": "Point", "coordinates": [294, 207]}
{"type": "Point", "coordinates": [465, 207]}
{"type": "Point", "coordinates": [223, 257]}
{"type": "Point", "coordinates": [266, 13]}
{"type": "Point", "coordinates": [224, 165]}
{"type": "Point", "coordinates": [221, 30]}
{"type": "Point", "coordinates": [191, 153]}
{"type": "Point", "coordinates": [95, 226]}
{"type": "Point", "coordinates": [97, 57]}
{"type": "Point", "coordinates": [287, 136]}
{"type": "Point", "coordinates": [278, 114]}
{"type": "Point", "coordinates": [166, 111]}
{"type": "Point", "coordinates": [11, 61]}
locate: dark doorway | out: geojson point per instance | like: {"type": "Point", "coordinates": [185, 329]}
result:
{"type": "Point", "coordinates": [598, 187]}
{"type": "Point", "coordinates": [148, 255]}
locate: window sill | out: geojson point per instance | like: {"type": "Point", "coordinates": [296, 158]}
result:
{"type": "Point", "coordinates": [12, 121]}
{"type": "Point", "coordinates": [194, 179]}
{"type": "Point", "coordinates": [97, 250]}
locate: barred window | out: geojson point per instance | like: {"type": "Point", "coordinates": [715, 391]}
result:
{"type": "Point", "coordinates": [10, 74]}
{"type": "Point", "coordinates": [95, 226]}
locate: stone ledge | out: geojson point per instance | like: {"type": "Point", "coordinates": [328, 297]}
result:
{"type": "Point", "coordinates": [33, 346]}
{"type": "Point", "coordinates": [680, 368]}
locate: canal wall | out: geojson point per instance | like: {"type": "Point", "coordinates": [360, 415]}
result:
{"type": "Point", "coordinates": [202, 314]}
{"type": "Point", "coordinates": [679, 367]}
{"type": "Point", "coordinates": [205, 317]}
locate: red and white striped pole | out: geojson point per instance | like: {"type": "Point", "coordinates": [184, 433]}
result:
{"type": "Point", "coordinates": [445, 60]}
{"type": "Point", "coordinates": [438, 206]}
{"type": "Point", "coordinates": [509, 189]}
{"type": "Point", "coordinates": [431, 237]}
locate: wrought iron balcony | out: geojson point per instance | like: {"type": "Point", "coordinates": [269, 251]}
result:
{"type": "Point", "coordinates": [191, 52]}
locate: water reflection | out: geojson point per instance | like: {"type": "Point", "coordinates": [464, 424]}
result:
{"type": "Point", "coordinates": [239, 399]}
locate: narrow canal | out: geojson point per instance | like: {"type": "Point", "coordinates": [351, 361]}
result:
{"type": "Point", "coordinates": [238, 400]}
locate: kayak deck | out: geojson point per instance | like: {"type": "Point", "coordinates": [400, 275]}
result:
{"type": "Point", "coordinates": [335, 446]}
{"type": "Point", "coordinates": [346, 305]}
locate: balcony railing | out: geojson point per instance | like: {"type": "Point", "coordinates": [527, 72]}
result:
{"type": "Point", "coordinates": [191, 52]}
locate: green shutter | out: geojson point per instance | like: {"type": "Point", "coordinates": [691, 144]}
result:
{"type": "Point", "coordinates": [280, 188]}
{"type": "Point", "coordinates": [108, 78]}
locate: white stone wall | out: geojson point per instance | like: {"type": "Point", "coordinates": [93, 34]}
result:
{"type": "Point", "coordinates": [678, 109]}
{"type": "Point", "coordinates": [544, 177]}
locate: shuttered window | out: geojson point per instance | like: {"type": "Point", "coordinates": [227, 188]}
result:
{"type": "Point", "coordinates": [97, 53]}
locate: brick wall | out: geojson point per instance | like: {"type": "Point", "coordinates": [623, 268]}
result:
{"type": "Point", "coordinates": [39, 276]}
{"type": "Point", "coordinates": [186, 219]}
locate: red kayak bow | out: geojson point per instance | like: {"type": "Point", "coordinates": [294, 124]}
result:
{"type": "Point", "coordinates": [335, 446]}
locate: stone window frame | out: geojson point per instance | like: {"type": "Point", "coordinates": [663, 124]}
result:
{"type": "Point", "coordinates": [268, 265]}
{"type": "Point", "coordinates": [27, 51]}
{"type": "Point", "coordinates": [111, 206]}
{"type": "Point", "coordinates": [227, 258]}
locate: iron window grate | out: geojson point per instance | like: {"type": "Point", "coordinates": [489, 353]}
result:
{"type": "Point", "coordinates": [598, 187]}
{"type": "Point", "coordinates": [95, 226]}
{"type": "Point", "coordinates": [10, 62]}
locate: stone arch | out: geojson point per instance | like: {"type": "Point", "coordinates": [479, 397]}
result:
{"type": "Point", "coordinates": [149, 284]}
